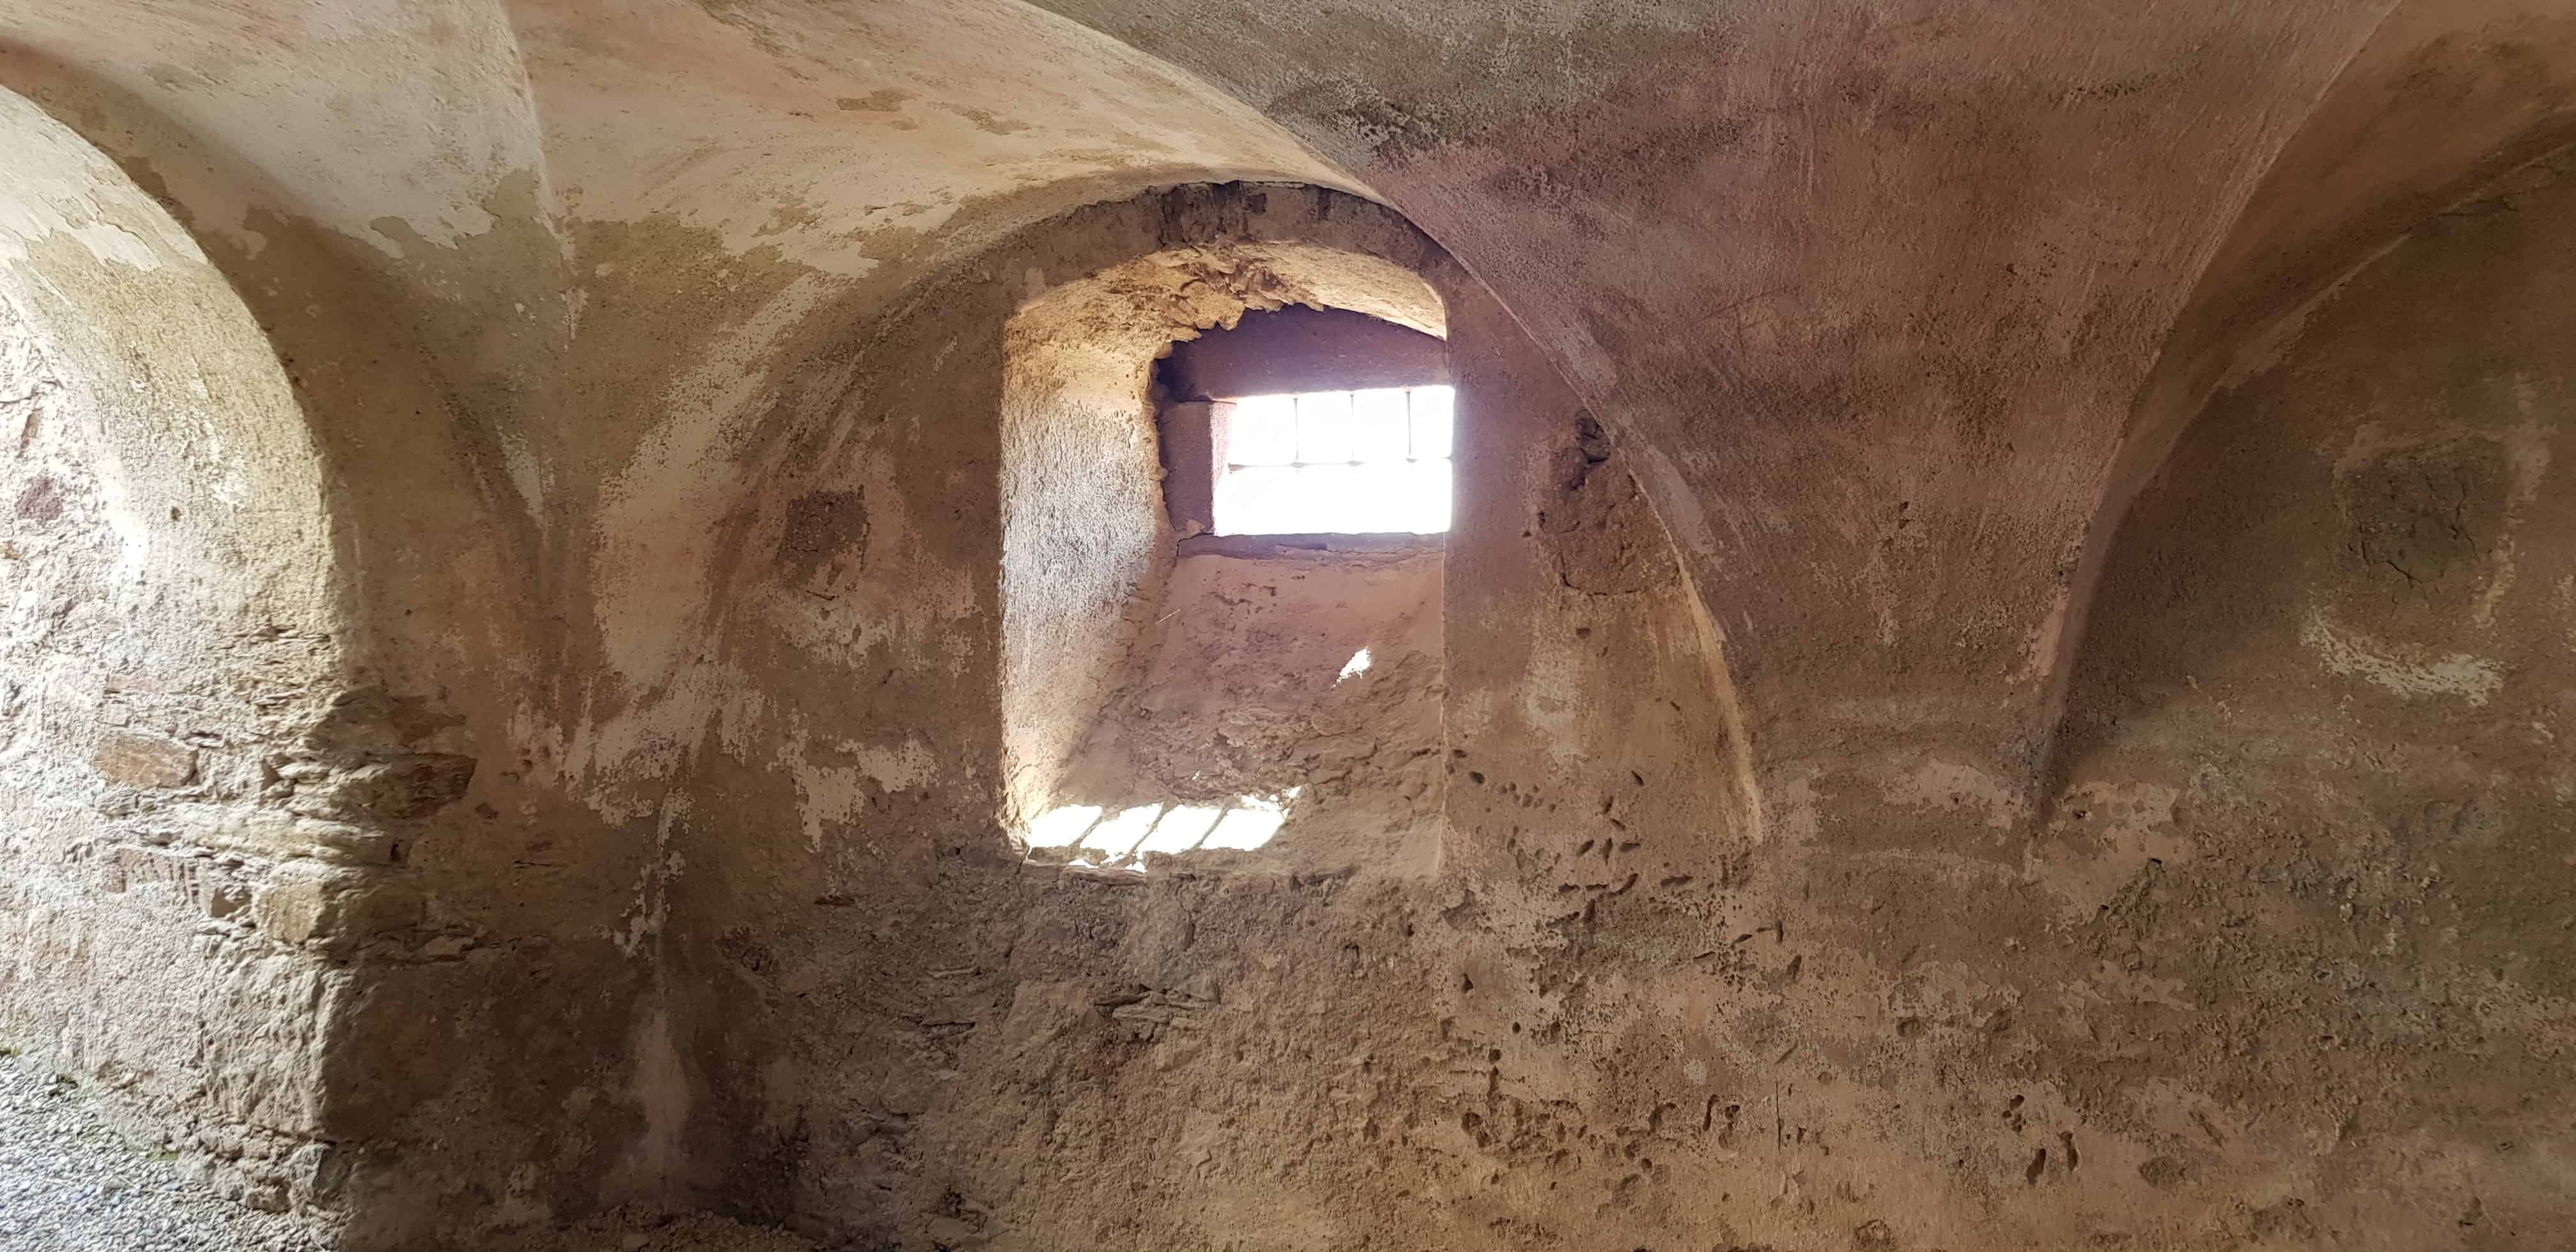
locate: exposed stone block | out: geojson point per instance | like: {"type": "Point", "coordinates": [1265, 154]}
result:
{"type": "Point", "coordinates": [292, 911]}
{"type": "Point", "coordinates": [357, 784]}
{"type": "Point", "coordinates": [140, 760]}
{"type": "Point", "coordinates": [303, 905]}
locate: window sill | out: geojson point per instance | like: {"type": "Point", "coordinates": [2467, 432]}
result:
{"type": "Point", "coordinates": [1296, 545]}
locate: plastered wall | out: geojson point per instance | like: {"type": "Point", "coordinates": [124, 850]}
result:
{"type": "Point", "coordinates": [2315, 790]}
{"type": "Point", "coordinates": [2000, 668]}
{"type": "Point", "coordinates": [1306, 680]}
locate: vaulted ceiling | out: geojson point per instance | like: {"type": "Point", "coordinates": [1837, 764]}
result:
{"type": "Point", "coordinates": [1897, 302]}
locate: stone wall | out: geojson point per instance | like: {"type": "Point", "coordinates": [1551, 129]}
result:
{"type": "Point", "coordinates": [1321, 1046]}
{"type": "Point", "coordinates": [2314, 790]}
{"type": "Point", "coordinates": [854, 779]}
{"type": "Point", "coordinates": [172, 832]}
{"type": "Point", "coordinates": [299, 878]}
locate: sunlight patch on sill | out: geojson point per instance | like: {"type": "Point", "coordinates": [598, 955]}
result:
{"type": "Point", "coordinates": [1102, 838]}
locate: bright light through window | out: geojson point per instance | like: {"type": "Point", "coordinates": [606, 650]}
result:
{"type": "Point", "coordinates": [1337, 462]}
{"type": "Point", "coordinates": [1124, 836]}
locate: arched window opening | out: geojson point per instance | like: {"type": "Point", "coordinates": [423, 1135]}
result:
{"type": "Point", "coordinates": [1374, 461]}
{"type": "Point", "coordinates": [1225, 482]}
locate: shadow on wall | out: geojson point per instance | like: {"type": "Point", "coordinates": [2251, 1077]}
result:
{"type": "Point", "coordinates": [266, 744]}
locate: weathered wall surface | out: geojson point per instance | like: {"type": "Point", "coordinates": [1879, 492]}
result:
{"type": "Point", "coordinates": [1878, 290]}
{"type": "Point", "coordinates": [2444, 97]}
{"type": "Point", "coordinates": [549, 388]}
{"type": "Point", "coordinates": [1733, 230]}
{"type": "Point", "coordinates": [973, 1050]}
{"type": "Point", "coordinates": [1355, 1049]}
{"type": "Point", "coordinates": [2316, 791]}
{"type": "Point", "coordinates": [1654, 996]}
{"type": "Point", "coordinates": [1084, 539]}
{"type": "Point", "coordinates": [242, 749]}
{"type": "Point", "coordinates": [645, 353]}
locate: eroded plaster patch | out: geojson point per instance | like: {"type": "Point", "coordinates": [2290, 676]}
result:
{"type": "Point", "coordinates": [2110, 833]}
{"type": "Point", "coordinates": [51, 196]}
{"type": "Point", "coordinates": [2402, 670]}
{"type": "Point", "coordinates": [1949, 784]}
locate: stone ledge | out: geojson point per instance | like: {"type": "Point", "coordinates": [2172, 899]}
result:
{"type": "Point", "coordinates": [1257, 546]}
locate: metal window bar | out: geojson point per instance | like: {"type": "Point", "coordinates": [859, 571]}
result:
{"type": "Point", "coordinates": [1297, 436]}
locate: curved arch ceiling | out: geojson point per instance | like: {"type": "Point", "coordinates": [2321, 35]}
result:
{"type": "Point", "coordinates": [835, 132]}
{"type": "Point", "coordinates": [838, 127]}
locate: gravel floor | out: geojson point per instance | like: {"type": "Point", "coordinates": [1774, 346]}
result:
{"type": "Point", "coordinates": [69, 1183]}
